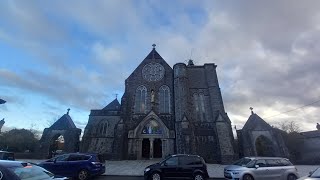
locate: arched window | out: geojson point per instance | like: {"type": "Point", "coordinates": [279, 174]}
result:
{"type": "Point", "coordinates": [164, 99]}
{"type": "Point", "coordinates": [102, 128]}
{"type": "Point", "coordinates": [140, 99]}
{"type": "Point", "coordinates": [199, 103]}
{"type": "Point", "coordinates": [105, 127]}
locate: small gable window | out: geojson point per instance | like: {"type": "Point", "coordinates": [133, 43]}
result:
{"type": "Point", "coordinates": [164, 99]}
{"type": "Point", "coordinates": [140, 99]}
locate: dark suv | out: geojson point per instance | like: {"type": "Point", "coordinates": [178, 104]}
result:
{"type": "Point", "coordinates": [180, 166]}
{"type": "Point", "coordinates": [78, 165]}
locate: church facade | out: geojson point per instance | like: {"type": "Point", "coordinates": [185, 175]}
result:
{"type": "Point", "coordinates": [164, 111]}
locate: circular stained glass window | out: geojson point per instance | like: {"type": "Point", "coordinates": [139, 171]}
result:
{"type": "Point", "coordinates": [153, 72]}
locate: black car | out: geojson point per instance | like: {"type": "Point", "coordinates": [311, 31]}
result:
{"type": "Point", "coordinates": [5, 155]}
{"type": "Point", "coordinates": [179, 166]}
{"type": "Point", "coordinates": [17, 170]}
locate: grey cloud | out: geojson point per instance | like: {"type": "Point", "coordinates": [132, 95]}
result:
{"type": "Point", "coordinates": [266, 52]}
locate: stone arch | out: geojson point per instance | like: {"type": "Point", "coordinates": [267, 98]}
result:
{"type": "Point", "coordinates": [152, 116]}
{"type": "Point", "coordinates": [71, 140]}
{"type": "Point", "coordinates": [56, 144]}
{"type": "Point", "coordinates": [264, 146]}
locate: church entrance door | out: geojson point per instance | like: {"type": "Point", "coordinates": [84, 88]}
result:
{"type": "Point", "coordinates": [146, 148]}
{"type": "Point", "coordinates": [157, 152]}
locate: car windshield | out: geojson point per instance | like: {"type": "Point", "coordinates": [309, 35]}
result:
{"type": "Point", "coordinates": [242, 162]}
{"type": "Point", "coordinates": [31, 172]}
{"type": "Point", "coordinates": [316, 173]}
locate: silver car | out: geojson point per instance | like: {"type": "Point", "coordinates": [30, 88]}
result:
{"type": "Point", "coordinates": [313, 175]}
{"type": "Point", "coordinates": [261, 168]}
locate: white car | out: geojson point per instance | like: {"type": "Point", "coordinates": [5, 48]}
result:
{"type": "Point", "coordinates": [261, 168]}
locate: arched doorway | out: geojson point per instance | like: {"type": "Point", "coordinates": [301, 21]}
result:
{"type": "Point", "coordinates": [146, 148]}
{"type": "Point", "coordinates": [264, 146]}
{"type": "Point", "coordinates": [56, 145]}
{"type": "Point", "coordinates": [157, 145]}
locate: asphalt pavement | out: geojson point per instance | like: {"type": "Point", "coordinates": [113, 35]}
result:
{"type": "Point", "coordinates": [131, 178]}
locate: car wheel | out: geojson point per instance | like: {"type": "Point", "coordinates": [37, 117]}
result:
{"type": "Point", "coordinates": [83, 175]}
{"type": "Point", "coordinates": [247, 177]}
{"type": "Point", "coordinates": [292, 177]}
{"type": "Point", "coordinates": [156, 176]}
{"type": "Point", "coordinates": [198, 177]}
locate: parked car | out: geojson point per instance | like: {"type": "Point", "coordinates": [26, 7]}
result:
{"type": "Point", "coordinates": [250, 168]}
{"type": "Point", "coordinates": [181, 166]}
{"type": "Point", "coordinates": [313, 175]}
{"type": "Point", "coordinates": [5, 155]}
{"type": "Point", "coordinates": [77, 165]}
{"type": "Point", "coordinates": [17, 170]}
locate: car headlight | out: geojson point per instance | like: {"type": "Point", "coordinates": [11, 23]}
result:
{"type": "Point", "coordinates": [147, 169]}
{"type": "Point", "coordinates": [235, 172]}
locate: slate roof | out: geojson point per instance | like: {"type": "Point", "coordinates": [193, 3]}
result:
{"type": "Point", "coordinates": [113, 106]}
{"type": "Point", "coordinates": [65, 122]}
{"type": "Point", "coordinates": [255, 122]}
{"type": "Point", "coordinates": [311, 134]}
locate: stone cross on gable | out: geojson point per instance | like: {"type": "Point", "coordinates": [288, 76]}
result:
{"type": "Point", "coordinates": [251, 108]}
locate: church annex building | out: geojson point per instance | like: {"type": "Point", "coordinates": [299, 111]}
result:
{"type": "Point", "coordinates": [164, 111]}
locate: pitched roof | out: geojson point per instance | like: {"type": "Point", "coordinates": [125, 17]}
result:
{"type": "Point", "coordinates": [65, 122]}
{"type": "Point", "coordinates": [154, 55]}
{"type": "Point", "coordinates": [113, 106]}
{"type": "Point", "coordinates": [255, 122]}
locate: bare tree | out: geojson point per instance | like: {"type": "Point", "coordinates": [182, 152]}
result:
{"type": "Point", "coordinates": [289, 126]}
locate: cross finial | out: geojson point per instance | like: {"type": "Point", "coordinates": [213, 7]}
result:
{"type": "Point", "coordinates": [251, 108]}
{"type": "Point", "coordinates": [68, 110]}
{"type": "Point", "coordinates": [154, 46]}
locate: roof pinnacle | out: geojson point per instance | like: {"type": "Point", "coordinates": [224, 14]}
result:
{"type": "Point", "coordinates": [68, 111]}
{"type": "Point", "coordinates": [154, 46]}
{"type": "Point", "coordinates": [251, 108]}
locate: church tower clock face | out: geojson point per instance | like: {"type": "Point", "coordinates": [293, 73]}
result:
{"type": "Point", "coordinates": [153, 72]}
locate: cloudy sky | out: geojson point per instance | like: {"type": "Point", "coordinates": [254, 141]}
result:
{"type": "Point", "coordinates": [56, 55]}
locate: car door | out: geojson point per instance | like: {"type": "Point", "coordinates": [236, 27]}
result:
{"type": "Point", "coordinates": [60, 166]}
{"type": "Point", "coordinates": [185, 166]}
{"type": "Point", "coordinates": [274, 168]}
{"type": "Point", "coordinates": [261, 170]}
{"type": "Point", "coordinates": [75, 163]}
{"type": "Point", "coordinates": [170, 168]}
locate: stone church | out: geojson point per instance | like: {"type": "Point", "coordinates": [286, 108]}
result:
{"type": "Point", "coordinates": [164, 111]}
